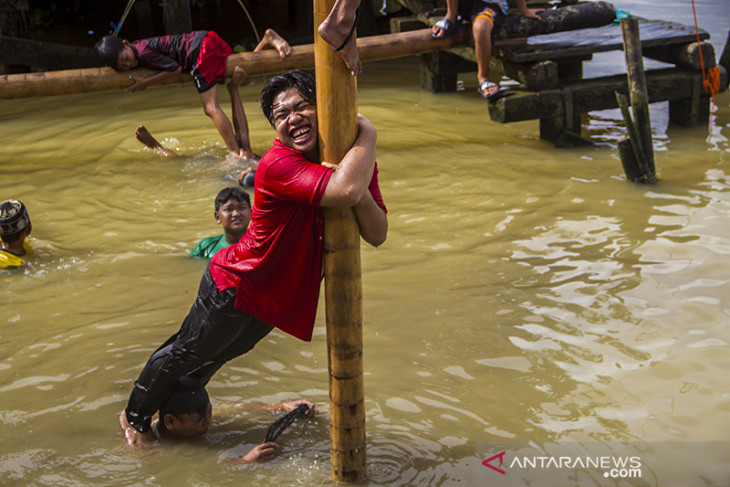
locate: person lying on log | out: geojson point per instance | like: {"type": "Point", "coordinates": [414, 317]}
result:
{"type": "Point", "coordinates": [272, 276]}
{"type": "Point", "coordinates": [486, 17]}
{"type": "Point", "coordinates": [233, 213]}
{"type": "Point", "coordinates": [201, 53]}
{"type": "Point", "coordinates": [338, 30]}
{"type": "Point", "coordinates": [15, 228]}
{"type": "Point", "coordinates": [187, 413]}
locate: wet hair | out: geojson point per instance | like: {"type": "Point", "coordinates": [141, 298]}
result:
{"type": "Point", "coordinates": [109, 48]}
{"type": "Point", "coordinates": [187, 396]}
{"type": "Point", "coordinates": [232, 193]}
{"type": "Point", "coordinates": [300, 79]}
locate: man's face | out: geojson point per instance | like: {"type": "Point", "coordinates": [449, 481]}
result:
{"type": "Point", "coordinates": [191, 425]}
{"type": "Point", "coordinates": [234, 216]}
{"type": "Point", "coordinates": [295, 122]}
{"type": "Point", "coordinates": [126, 59]}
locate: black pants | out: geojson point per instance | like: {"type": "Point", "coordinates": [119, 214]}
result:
{"type": "Point", "coordinates": [213, 333]}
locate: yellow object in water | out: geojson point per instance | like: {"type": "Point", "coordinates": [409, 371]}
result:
{"type": "Point", "coordinates": [8, 259]}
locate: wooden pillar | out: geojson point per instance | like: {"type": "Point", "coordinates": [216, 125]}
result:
{"type": "Point", "coordinates": [637, 88]}
{"type": "Point", "coordinates": [337, 120]}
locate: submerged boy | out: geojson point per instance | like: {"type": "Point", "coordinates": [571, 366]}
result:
{"type": "Point", "coordinates": [233, 213]}
{"type": "Point", "coordinates": [203, 54]}
{"type": "Point", "coordinates": [187, 413]}
{"type": "Point", "coordinates": [15, 227]}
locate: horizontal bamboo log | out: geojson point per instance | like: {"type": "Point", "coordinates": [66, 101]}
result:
{"type": "Point", "coordinates": [373, 48]}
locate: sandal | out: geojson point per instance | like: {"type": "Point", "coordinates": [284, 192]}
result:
{"type": "Point", "coordinates": [485, 88]}
{"type": "Point", "coordinates": [352, 31]}
{"type": "Point", "coordinates": [447, 27]}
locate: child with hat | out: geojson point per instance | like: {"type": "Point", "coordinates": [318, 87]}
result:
{"type": "Point", "coordinates": [15, 227]}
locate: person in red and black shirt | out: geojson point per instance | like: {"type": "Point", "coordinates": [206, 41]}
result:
{"type": "Point", "coordinates": [203, 54]}
{"type": "Point", "coordinates": [272, 276]}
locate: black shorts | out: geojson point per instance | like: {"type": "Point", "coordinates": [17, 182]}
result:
{"type": "Point", "coordinates": [475, 8]}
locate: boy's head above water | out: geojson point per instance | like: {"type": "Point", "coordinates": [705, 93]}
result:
{"type": "Point", "coordinates": [187, 412]}
{"type": "Point", "coordinates": [117, 53]}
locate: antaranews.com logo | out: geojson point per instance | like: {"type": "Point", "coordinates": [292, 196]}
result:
{"type": "Point", "coordinates": [661, 464]}
{"type": "Point", "coordinates": [613, 467]}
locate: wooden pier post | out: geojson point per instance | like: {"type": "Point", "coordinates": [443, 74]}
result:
{"type": "Point", "coordinates": [639, 98]}
{"type": "Point", "coordinates": [337, 119]}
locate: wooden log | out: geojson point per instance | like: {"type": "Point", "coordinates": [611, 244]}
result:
{"type": "Point", "coordinates": [48, 55]}
{"type": "Point", "coordinates": [685, 56]}
{"type": "Point", "coordinates": [637, 88]}
{"type": "Point", "coordinates": [69, 81]}
{"type": "Point", "coordinates": [593, 94]}
{"type": "Point", "coordinates": [572, 17]}
{"type": "Point", "coordinates": [337, 120]}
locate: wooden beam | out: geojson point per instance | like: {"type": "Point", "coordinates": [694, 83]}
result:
{"type": "Point", "coordinates": [684, 55]}
{"type": "Point", "coordinates": [65, 82]}
{"type": "Point", "coordinates": [594, 94]}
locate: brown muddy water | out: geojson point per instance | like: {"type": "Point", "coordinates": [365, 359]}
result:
{"type": "Point", "coordinates": [525, 293]}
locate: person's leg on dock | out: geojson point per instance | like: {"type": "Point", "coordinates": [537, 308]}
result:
{"type": "Point", "coordinates": [482, 28]}
{"type": "Point", "coordinates": [144, 136]}
{"type": "Point", "coordinates": [272, 40]}
{"type": "Point", "coordinates": [240, 123]}
{"type": "Point", "coordinates": [339, 31]}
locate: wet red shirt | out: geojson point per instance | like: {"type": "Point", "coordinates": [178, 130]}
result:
{"type": "Point", "coordinates": [277, 266]}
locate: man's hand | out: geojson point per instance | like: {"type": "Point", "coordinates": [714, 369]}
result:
{"type": "Point", "coordinates": [531, 13]}
{"type": "Point", "coordinates": [139, 84]}
{"type": "Point", "coordinates": [261, 453]}
{"type": "Point", "coordinates": [135, 439]}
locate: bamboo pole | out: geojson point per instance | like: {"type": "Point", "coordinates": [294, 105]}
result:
{"type": "Point", "coordinates": [71, 81]}
{"type": "Point", "coordinates": [637, 89]}
{"type": "Point", "coordinates": [337, 120]}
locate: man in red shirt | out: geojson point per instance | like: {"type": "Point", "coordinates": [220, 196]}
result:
{"type": "Point", "coordinates": [272, 276]}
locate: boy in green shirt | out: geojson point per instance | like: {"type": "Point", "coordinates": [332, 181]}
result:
{"type": "Point", "coordinates": [233, 213]}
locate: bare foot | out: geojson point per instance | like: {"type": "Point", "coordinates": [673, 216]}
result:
{"type": "Point", "coordinates": [272, 39]}
{"type": "Point", "coordinates": [239, 78]}
{"type": "Point", "coordinates": [341, 34]}
{"type": "Point", "coordinates": [261, 453]}
{"type": "Point", "coordinates": [144, 136]}
{"type": "Point", "coordinates": [246, 154]}
{"type": "Point", "coordinates": [135, 439]}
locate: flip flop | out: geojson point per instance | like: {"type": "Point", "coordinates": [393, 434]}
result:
{"type": "Point", "coordinates": [487, 85]}
{"type": "Point", "coordinates": [352, 31]}
{"type": "Point", "coordinates": [446, 26]}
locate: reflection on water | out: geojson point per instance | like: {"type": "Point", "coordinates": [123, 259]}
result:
{"type": "Point", "coordinates": [524, 294]}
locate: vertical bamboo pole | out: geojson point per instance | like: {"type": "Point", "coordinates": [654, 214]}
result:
{"type": "Point", "coordinates": [337, 120]}
{"type": "Point", "coordinates": [637, 87]}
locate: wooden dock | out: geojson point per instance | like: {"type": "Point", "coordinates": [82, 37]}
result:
{"type": "Point", "coordinates": [549, 70]}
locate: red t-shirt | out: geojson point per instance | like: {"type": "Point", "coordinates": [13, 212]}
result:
{"type": "Point", "coordinates": [277, 265]}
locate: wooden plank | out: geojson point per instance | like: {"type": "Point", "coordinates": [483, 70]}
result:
{"type": "Point", "coordinates": [594, 94]}
{"type": "Point", "coordinates": [583, 42]}
{"type": "Point", "coordinates": [684, 55]}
